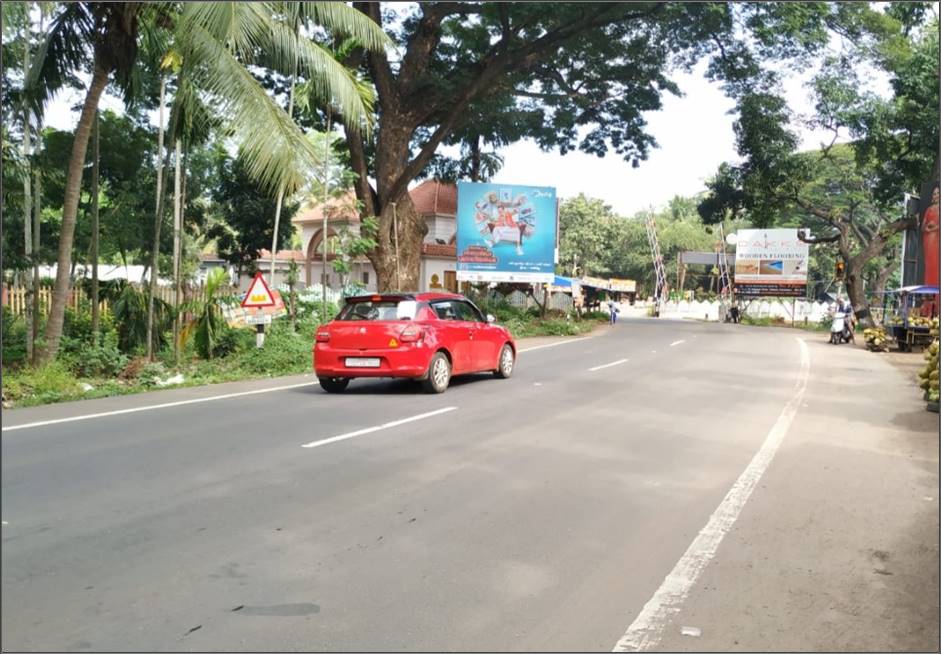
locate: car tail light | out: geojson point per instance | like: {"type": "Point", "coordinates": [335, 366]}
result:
{"type": "Point", "coordinates": [411, 334]}
{"type": "Point", "coordinates": [323, 336]}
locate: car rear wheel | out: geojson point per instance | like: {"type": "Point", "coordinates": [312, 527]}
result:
{"type": "Point", "coordinates": [334, 384]}
{"type": "Point", "coordinates": [439, 374]}
{"type": "Point", "coordinates": [505, 363]}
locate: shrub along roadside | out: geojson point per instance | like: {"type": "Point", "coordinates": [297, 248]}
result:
{"type": "Point", "coordinates": [108, 371]}
{"type": "Point", "coordinates": [778, 321]}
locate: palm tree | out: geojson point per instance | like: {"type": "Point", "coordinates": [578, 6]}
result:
{"type": "Point", "coordinates": [111, 29]}
{"type": "Point", "coordinates": [217, 42]}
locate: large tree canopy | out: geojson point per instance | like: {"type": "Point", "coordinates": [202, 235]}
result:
{"type": "Point", "coordinates": [569, 75]}
{"type": "Point", "coordinates": [847, 194]}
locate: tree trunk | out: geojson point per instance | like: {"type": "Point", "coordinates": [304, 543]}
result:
{"type": "Point", "coordinates": [411, 230]}
{"type": "Point", "coordinates": [391, 154]}
{"type": "Point", "coordinates": [879, 283]}
{"type": "Point", "coordinates": [857, 295]}
{"type": "Point", "coordinates": [73, 188]}
{"type": "Point", "coordinates": [158, 219]}
{"type": "Point", "coordinates": [95, 318]}
{"type": "Point", "coordinates": [475, 159]}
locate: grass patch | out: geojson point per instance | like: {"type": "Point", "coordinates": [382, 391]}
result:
{"type": "Point", "coordinates": [780, 321]}
{"type": "Point", "coordinates": [108, 372]}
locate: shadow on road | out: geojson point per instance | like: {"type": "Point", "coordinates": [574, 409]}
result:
{"type": "Point", "coordinates": [390, 386]}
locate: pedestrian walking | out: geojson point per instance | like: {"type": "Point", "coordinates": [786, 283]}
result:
{"type": "Point", "coordinates": [613, 308]}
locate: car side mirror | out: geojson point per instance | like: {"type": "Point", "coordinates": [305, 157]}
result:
{"type": "Point", "coordinates": [490, 318]}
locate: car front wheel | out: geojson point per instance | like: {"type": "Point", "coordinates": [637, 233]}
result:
{"type": "Point", "coordinates": [439, 374]}
{"type": "Point", "coordinates": [505, 363]}
{"type": "Point", "coordinates": [334, 384]}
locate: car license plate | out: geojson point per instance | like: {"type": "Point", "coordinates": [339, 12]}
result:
{"type": "Point", "coordinates": [362, 362]}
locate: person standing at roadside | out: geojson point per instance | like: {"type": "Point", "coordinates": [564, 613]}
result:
{"type": "Point", "coordinates": [613, 308]}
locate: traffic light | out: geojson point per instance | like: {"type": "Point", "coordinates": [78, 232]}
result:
{"type": "Point", "coordinates": [839, 269]}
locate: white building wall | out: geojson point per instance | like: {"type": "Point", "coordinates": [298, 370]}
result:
{"type": "Point", "coordinates": [439, 228]}
{"type": "Point", "coordinates": [432, 267]}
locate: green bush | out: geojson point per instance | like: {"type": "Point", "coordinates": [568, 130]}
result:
{"type": "Point", "coordinates": [129, 305]}
{"type": "Point", "coordinates": [233, 341]}
{"type": "Point", "coordinates": [308, 310]}
{"type": "Point", "coordinates": [285, 352]}
{"type": "Point", "coordinates": [49, 383]}
{"type": "Point", "coordinates": [150, 372]}
{"type": "Point", "coordinates": [97, 359]}
{"type": "Point", "coordinates": [14, 338]}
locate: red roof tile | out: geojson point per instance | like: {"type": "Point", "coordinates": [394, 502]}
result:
{"type": "Point", "coordinates": [342, 208]}
{"type": "Point", "coordinates": [435, 197]}
{"type": "Point", "coordinates": [438, 250]}
{"type": "Point", "coordinates": [282, 255]}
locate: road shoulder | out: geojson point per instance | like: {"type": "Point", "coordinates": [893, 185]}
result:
{"type": "Point", "coordinates": [62, 410]}
{"type": "Point", "coordinates": [844, 525]}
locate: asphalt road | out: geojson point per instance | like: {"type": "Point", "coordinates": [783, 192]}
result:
{"type": "Point", "coordinates": [619, 488]}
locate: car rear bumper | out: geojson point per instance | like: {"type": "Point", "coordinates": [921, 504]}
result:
{"type": "Point", "coordinates": [406, 361]}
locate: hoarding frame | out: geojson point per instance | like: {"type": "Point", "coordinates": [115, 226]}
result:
{"type": "Point", "coordinates": [502, 233]}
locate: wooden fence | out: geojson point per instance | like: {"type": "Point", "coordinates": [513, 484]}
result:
{"type": "Point", "coordinates": [15, 297]}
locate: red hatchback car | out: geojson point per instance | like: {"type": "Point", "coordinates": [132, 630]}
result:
{"type": "Point", "coordinates": [424, 336]}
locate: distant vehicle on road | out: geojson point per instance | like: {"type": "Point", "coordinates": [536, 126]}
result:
{"type": "Point", "coordinates": [425, 336]}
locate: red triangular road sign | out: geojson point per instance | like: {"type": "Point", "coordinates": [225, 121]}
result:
{"type": "Point", "coordinates": [258, 295]}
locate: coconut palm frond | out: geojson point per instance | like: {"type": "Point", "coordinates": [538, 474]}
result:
{"type": "Point", "coordinates": [330, 82]}
{"type": "Point", "coordinates": [273, 147]}
{"type": "Point", "coordinates": [190, 118]}
{"type": "Point", "coordinates": [343, 19]}
{"type": "Point", "coordinates": [155, 39]}
{"type": "Point", "coordinates": [15, 17]}
{"type": "Point", "coordinates": [241, 27]}
{"type": "Point", "coordinates": [65, 49]}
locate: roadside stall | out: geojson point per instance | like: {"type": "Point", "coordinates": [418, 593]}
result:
{"type": "Point", "coordinates": [908, 312]}
{"type": "Point", "coordinates": [596, 291]}
{"type": "Point", "coordinates": [571, 287]}
{"type": "Point", "coordinates": [624, 288]}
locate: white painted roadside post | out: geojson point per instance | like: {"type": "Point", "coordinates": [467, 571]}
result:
{"type": "Point", "coordinates": [257, 297]}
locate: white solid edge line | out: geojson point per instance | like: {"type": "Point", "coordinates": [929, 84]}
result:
{"type": "Point", "coordinates": [646, 630]}
{"type": "Point", "coordinates": [608, 365]}
{"type": "Point", "coordinates": [677, 342]}
{"type": "Point", "coordinates": [540, 347]}
{"type": "Point", "coordinates": [42, 423]}
{"type": "Point", "coordinates": [150, 407]}
{"type": "Point", "coordinates": [369, 430]}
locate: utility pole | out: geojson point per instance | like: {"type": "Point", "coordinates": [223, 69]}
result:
{"type": "Point", "coordinates": [326, 195]}
{"type": "Point", "coordinates": [277, 210]}
{"type": "Point", "coordinates": [177, 243]}
{"type": "Point", "coordinates": [158, 219]}
{"type": "Point", "coordinates": [395, 234]}
{"type": "Point", "coordinates": [95, 230]}
{"type": "Point", "coordinates": [27, 200]}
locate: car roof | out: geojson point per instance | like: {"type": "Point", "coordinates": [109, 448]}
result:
{"type": "Point", "coordinates": [427, 297]}
{"type": "Point", "coordinates": [421, 297]}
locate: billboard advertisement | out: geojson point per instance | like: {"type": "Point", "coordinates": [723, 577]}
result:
{"type": "Point", "coordinates": [771, 262]}
{"type": "Point", "coordinates": [920, 241]}
{"type": "Point", "coordinates": [506, 233]}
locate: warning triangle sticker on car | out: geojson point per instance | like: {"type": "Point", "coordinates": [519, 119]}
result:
{"type": "Point", "coordinates": [258, 295]}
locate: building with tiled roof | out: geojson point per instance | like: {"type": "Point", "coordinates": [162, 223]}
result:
{"type": "Point", "coordinates": [435, 201]}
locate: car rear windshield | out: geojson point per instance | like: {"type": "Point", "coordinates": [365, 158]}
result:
{"type": "Point", "coordinates": [384, 309]}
